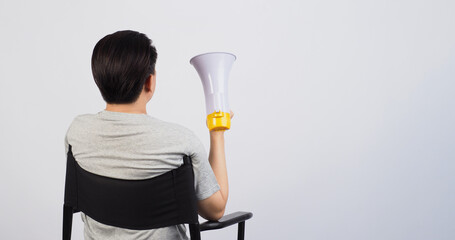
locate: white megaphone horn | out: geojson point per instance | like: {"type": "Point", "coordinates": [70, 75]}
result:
{"type": "Point", "coordinates": [213, 69]}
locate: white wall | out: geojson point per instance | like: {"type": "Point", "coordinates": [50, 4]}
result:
{"type": "Point", "coordinates": [344, 125]}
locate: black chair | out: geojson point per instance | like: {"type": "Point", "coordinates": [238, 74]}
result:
{"type": "Point", "coordinates": [166, 200]}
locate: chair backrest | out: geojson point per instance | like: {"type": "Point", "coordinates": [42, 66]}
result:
{"type": "Point", "coordinates": [166, 200]}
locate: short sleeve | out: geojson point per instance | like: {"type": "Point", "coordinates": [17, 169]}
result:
{"type": "Point", "coordinates": [205, 180]}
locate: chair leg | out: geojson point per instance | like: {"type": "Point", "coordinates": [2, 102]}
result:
{"type": "Point", "coordinates": [67, 222]}
{"type": "Point", "coordinates": [241, 231]}
{"type": "Point", "coordinates": [195, 233]}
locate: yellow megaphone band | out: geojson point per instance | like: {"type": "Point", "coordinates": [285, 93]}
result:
{"type": "Point", "coordinates": [219, 121]}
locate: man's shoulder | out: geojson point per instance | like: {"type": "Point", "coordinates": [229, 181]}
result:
{"type": "Point", "coordinates": [80, 122]}
{"type": "Point", "coordinates": [172, 126]}
{"type": "Point", "coordinates": [142, 122]}
{"type": "Point", "coordinates": [82, 118]}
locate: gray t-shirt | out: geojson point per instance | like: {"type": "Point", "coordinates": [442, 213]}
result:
{"type": "Point", "coordinates": [136, 146]}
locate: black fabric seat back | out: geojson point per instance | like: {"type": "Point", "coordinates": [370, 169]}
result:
{"type": "Point", "coordinates": [166, 200]}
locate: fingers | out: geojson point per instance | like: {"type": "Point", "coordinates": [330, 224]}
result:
{"type": "Point", "coordinates": [232, 114]}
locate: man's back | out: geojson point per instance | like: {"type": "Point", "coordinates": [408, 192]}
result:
{"type": "Point", "coordinates": [136, 146]}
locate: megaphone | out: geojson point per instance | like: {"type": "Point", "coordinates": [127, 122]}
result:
{"type": "Point", "coordinates": [213, 69]}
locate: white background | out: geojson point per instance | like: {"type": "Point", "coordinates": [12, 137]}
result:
{"type": "Point", "coordinates": [344, 125]}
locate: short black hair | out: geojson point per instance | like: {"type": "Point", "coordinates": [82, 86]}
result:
{"type": "Point", "coordinates": [121, 63]}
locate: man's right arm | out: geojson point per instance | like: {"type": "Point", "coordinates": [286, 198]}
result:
{"type": "Point", "coordinates": [212, 208]}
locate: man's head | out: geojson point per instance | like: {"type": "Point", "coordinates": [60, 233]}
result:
{"type": "Point", "coordinates": [121, 64]}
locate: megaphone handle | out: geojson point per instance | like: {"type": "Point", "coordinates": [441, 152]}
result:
{"type": "Point", "coordinates": [219, 121]}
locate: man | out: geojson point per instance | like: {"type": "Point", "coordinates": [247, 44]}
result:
{"type": "Point", "coordinates": [124, 142]}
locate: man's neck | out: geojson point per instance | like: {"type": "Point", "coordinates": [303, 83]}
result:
{"type": "Point", "coordinates": [127, 108]}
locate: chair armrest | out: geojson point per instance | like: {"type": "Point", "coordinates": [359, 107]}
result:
{"type": "Point", "coordinates": [226, 221]}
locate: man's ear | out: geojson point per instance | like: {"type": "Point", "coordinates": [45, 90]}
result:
{"type": "Point", "coordinates": [150, 83]}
